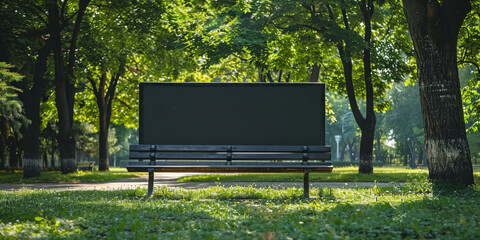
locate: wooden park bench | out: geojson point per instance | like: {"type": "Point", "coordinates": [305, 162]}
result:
{"type": "Point", "coordinates": [231, 128]}
{"type": "Point", "coordinates": [85, 166]}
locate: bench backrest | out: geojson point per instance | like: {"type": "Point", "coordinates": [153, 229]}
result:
{"type": "Point", "coordinates": [232, 113]}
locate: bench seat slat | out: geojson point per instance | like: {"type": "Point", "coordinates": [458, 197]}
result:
{"type": "Point", "coordinates": [219, 164]}
{"type": "Point", "coordinates": [234, 168]}
{"type": "Point", "coordinates": [235, 156]}
{"type": "Point", "coordinates": [223, 148]}
{"type": "Point", "coordinates": [180, 148]}
{"type": "Point", "coordinates": [268, 148]}
{"type": "Point", "coordinates": [285, 156]}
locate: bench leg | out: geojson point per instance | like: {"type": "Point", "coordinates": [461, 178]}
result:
{"type": "Point", "coordinates": [306, 184]}
{"type": "Point", "coordinates": [150, 182]}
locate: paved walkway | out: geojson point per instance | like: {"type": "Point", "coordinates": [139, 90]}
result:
{"type": "Point", "coordinates": [170, 180]}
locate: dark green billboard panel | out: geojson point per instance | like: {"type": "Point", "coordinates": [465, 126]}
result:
{"type": "Point", "coordinates": [232, 113]}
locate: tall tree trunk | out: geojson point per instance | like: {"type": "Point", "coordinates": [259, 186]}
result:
{"type": "Point", "coordinates": [104, 163]}
{"type": "Point", "coordinates": [368, 128]}
{"type": "Point", "coordinates": [434, 29]}
{"type": "Point", "coordinates": [315, 73]}
{"type": "Point", "coordinates": [104, 122]}
{"type": "Point", "coordinates": [66, 139]}
{"type": "Point", "coordinates": [367, 123]}
{"type": "Point", "coordinates": [32, 98]}
{"type": "Point", "coordinates": [366, 146]}
{"type": "Point", "coordinates": [104, 103]}
{"type": "Point", "coordinates": [64, 83]}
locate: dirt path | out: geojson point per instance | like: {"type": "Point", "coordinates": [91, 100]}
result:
{"type": "Point", "coordinates": [170, 180]}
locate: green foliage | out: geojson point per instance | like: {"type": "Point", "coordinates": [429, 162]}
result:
{"type": "Point", "coordinates": [239, 213]}
{"type": "Point", "coordinates": [87, 140]}
{"type": "Point", "coordinates": [474, 144]}
{"type": "Point", "coordinates": [12, 116]}
{"type": "Point", "coordinates": [405, 118]}
{"type": "Point", "coordinates": [468, 59]}
{"type": "Point", "coordinates": [471, 99]}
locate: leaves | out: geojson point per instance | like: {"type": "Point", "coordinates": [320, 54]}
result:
{"type": "Point", "coordinates": [12, 116]}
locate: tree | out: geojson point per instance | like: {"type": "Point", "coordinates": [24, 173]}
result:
{"type": "Point", "coordinates": [434, 29]}
{"type": "Point", "coordinates": [22, 43]}
{"type": "Point", "coordinates": [353, 29]}
{"type": "Point", "coordinates": [365, 122]}
{"type": "Point", "coordinates": [293, 36]}
{"type": "Point", "coordinates": [45, 26]}
{"type": "Point", "coordinates": [469, 59]}
{"type": "Point", "coordinates": [341, 122]}
{"type": "Point", "coordinates": [12, 117]}
{"type": "Point", "coordinates": [132, 43]}
{"type": "Point", "coordinates": [64, 70]}
{"type": "Point", "coordinates": [404, 120]}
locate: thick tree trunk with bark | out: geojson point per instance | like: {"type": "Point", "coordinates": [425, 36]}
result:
{"type": "Point", "coordinates": [64, 83]}
{"type": "Point", "coordinates": [66, 139]}
{"type": "Point", "coordinates": [434, 30]}
{"type": "Point", "coordinates": [32, 98]}
{"type": "Point", "coordinates": [366, 145]}
{"type": "Point", "coordinates": [104, 163]}
{"type": "Point", "coordinates": [32, 132]}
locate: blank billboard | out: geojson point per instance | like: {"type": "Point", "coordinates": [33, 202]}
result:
{"type": "Point", "coordinates": [232, 113]}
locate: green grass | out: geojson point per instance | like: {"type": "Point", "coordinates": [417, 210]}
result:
{"type": "Point", "coordinates": [78, 177]}
{"type": "Point", "coordinates": [403, 212]}
{"type": "Point", "coordinates": [339, 174]}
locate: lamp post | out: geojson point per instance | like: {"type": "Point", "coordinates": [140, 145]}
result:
{"type": "Point", "coordinates": [337, 139]}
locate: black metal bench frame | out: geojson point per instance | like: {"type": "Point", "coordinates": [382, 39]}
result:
{"type": "Point", "coordinates": [230, 159]}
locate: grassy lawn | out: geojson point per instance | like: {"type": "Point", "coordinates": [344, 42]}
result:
{"type": "Point", "coordinates": [406, 212]}
{"type": "Point", "coordinates": [339, 174]}
{"type": "Point", "coordinates": [78, 177]}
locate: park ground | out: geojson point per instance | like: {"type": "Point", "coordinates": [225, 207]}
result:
{"type": "Point", "coordinates": [219, 209]}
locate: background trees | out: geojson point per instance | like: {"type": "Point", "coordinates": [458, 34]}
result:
{"type": "Point", "coordinates": [12, 116]}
